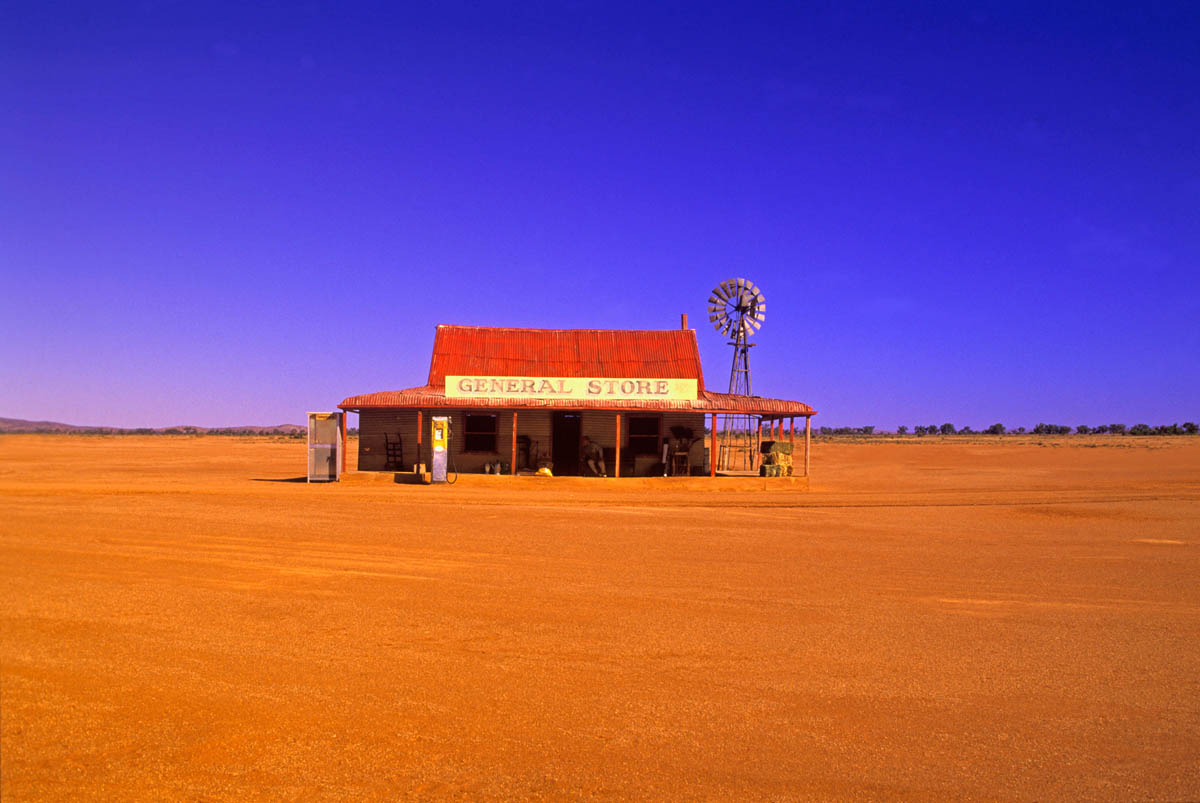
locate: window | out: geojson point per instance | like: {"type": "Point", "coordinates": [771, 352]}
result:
{"type": "Point", "coordinates": [643, 434]}
{"type": "Point", "coordinates": [479, 433]}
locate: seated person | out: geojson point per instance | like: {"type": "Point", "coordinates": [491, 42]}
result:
{"type": "Point", "coordinates": [593, 457]}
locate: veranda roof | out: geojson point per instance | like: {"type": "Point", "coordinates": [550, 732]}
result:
{"type": "Point", "coordinates": [428, 396]}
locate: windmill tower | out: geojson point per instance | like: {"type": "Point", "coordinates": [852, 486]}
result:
{"type": "Point", "coordinates": [737, 309]}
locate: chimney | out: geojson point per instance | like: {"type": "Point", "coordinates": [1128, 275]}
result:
{"type": "Point", "coordinates": [683, 320]}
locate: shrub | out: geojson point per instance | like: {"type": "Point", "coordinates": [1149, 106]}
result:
{"type": "Point", "coordinates": [903, 430]}
{"type": "Point", "coordinates": [1116, 429]}
{"type": "Point", "coordinates": [1083, 429]}
{"type": "Point", "coordinates": [1140, 429]}
{"type": "Point", "coordinates": [1190, 428]}
{"type": "Point", "coordinates": [994, 429]}
{"type": "Point", "coordinates": [947, 429]}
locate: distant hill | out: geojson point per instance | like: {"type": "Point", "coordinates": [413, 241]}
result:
{"type": "Point", "coordinates": [19, 425]}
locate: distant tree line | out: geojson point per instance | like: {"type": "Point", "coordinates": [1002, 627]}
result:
{"type": "Point", "coordinates": [241, 433]}
{"type": "Point", "coordinates": [922, 430]}
{"type": "Point", "coordinates": [846, 431]}
{"type": "Point", "coordinates": [1187, 428]}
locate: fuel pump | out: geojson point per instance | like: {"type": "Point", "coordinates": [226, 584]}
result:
{"type": "Point", "coordinates": [440, 441]}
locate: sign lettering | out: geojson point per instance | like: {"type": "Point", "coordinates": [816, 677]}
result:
{"type": "Point", "coordinates": [568, 387]}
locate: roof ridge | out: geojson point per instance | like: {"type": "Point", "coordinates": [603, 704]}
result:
{"type": "Point", "coordinates": [546, 329]}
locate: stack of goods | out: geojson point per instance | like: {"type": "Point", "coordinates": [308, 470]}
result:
{"type": "Point", "coordinates": [776, 459]}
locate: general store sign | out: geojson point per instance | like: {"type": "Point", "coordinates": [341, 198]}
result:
{"type": "Point", "coordinates": [568, 387]}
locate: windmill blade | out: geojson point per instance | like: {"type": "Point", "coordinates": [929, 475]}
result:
{"type": "Point", "coordinates": [753, 288]}
{"type": "Point", "coordinates": [727, 286]}
{"type": "Point", "coordinates": [756, 324]}
{"type": "Point", "coordinates": [720, 294]}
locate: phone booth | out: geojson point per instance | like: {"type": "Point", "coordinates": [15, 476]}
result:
{"type": "Point", "coordinates": [325, 447]}
{"type": "Point", "coordinates": [440, 441]}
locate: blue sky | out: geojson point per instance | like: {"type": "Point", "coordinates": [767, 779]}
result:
{"type": "Point", "coordinates": [230, 214]}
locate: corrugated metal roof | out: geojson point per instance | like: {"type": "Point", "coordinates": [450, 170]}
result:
{"type": "Point", "coordinates": [428, 396]}
{"type": "Point", "coordinates": [494, 351]}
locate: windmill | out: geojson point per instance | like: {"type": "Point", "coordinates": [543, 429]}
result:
{"type": "Point", "coordinates": [737, 309]}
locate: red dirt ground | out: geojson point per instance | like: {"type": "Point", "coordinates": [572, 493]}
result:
{"type": "Point", "coordinates": [996, 619]}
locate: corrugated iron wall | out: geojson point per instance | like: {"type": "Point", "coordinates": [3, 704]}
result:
{"type": "Point", "coordinates": [373, 424]}
{"type": "Point", "coordinates": [536, 424]}
{"type": "Point", "coordinates": [598, 425]}
{"type": "Point", "coordinates": [694, 422]}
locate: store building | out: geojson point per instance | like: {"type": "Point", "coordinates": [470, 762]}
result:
{"type": "Point", "coordinates": [526, 398]}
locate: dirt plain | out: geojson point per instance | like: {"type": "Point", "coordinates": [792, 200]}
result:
{"type": "Point", "coordinates": [934, 619]}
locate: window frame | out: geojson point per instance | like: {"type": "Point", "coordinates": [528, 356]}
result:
{"type": "Point", "coordinates": [630, 437]}
{"type": "Point", "coordinates": [494, 433]}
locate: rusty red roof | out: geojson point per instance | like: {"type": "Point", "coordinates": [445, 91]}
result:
{"type": "Point", "coordinates": [428, 396]}
{"type": "Point", "coordinates": [493, 351]}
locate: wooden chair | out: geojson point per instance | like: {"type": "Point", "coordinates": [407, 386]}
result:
{"type": "Point", "coordinates": [681, 454]}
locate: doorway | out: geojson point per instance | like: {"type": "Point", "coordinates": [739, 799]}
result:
{"type": "Point", "coordinates": [565, 432]}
